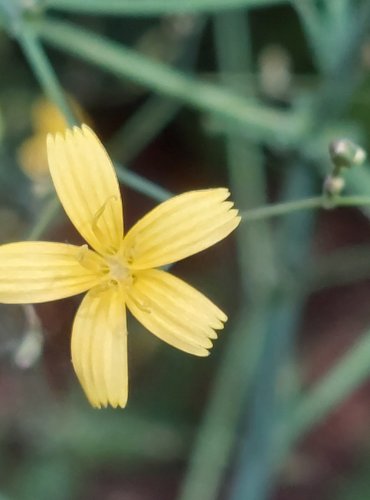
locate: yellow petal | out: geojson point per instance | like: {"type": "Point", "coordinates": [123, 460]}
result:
{"type": "Point", "coordinates": [174, 311]}
{"type": "Point", "coordinates": [99, 347]}
{"type": "Point", "coordinates": [179, 227]}
{"type": "Point", "coordinates": [87, 186]}
{"type": "Point", "coordinates": [36, 271]}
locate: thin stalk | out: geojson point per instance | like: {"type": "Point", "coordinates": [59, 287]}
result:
{"type": "Point", "coordinates": [316, 202]}
{"type": "Point", "coordinates": [141, 184]}
{"type": "Point", "coordinates": [143, 126]}
{"type": "Point", "coordinates": [43, 70]}
{"type": "Point", "coordinates": [130, 179]}
{"type": "Point", "coordinates": [48, 215]}
{"type": "Point", "coordinates": [151, 189]}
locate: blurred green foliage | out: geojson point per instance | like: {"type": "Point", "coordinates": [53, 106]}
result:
{"type": "Point", "coordinates": [186, 94]}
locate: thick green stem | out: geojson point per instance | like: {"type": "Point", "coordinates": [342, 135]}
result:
{"type": "Point", "coordinates": [253, 119]}
{"type": "Point", "coordinates": [217, 432]}
{"type": "Point", "coordinates": [153, 7]}
{"type": "Point", "coordinates": [327, 394]}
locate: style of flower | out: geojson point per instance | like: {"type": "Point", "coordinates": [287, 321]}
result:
{"type": "Point", "coordinates": [118, 271]}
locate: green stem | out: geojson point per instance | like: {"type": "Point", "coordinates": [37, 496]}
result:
{"type": "Point", "coordinates": [48, 214]}
{"type": "Point", "coordinates": [153, 7]}
{"type": "Point", "coordinates": [313, 24]}
{"type": "Point", "coordinates": [158, 193]}
{"type": "Point", "coordinates": [211, 452]}
{"type": "Point", "coordinates": [127, 177]}
{"type": "Point", "coordinates": [328, 393]}
{"type": "Point", "coordinates": [278, 209]}
{"type": "Point", "coordinates": [48, 81]}
{"type": "Point", "coordinates": [254, 477]}
{"type": "Point", "coordinates": [218, 430]}
{"type": "Point", "coordinates": [41, 67]}
{"type": "Point", "coordinates": [147, 122]}
{"type": "Point", "coordinates": [142, 185]}
{"type": "Point", "coordinates": [340, 267]}
{"type": "Point", "coordinates": [253, 119]}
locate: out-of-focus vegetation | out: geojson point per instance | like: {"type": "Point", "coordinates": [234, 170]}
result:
{"type": "Point", "coordinates": [188, 94]}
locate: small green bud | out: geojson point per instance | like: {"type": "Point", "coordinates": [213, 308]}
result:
{"type": "Point", "coordinates": [345, 153]}
{"type": "Point", "coordinates": [333, 185]}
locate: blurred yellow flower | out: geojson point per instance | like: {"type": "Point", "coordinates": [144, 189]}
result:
{"type": "Point", "coordinates": [46, 118]}
{"type": "Point", "coordinates": [119, 271]}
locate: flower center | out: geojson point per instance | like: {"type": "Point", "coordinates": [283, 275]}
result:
{"type": "Point", "coordinates": [118, 271]}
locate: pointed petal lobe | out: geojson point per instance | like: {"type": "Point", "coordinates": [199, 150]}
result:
{"type": "Point", "coordinates": [87, 186]}
{"type": "Point", "coordinates": [174, 311]}
{"type": "Point", "coordinates": [179, 227]}
{"type": "Point", "coordinates": [99, 347]}
{"type": "Point", "coordinates": [36, 271]}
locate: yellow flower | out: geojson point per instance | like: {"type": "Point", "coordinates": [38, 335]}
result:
{"type": "Point", "coordinates": [119, 271]}
{"type": "Point", "coordinates": [46, 118]}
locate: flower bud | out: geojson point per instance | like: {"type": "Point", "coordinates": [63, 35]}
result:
{"type": "Point", "coordinates": [333, 185]}
{"type": "Point", "coordinates": [345, 153]}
